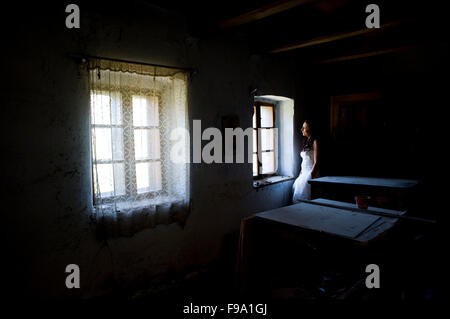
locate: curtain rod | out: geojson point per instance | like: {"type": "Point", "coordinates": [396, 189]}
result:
{"type": "Point", "coordinates": [88, 57]}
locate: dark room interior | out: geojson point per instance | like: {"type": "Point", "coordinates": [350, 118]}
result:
{"type": "Point", "coordinates": [122, 181]}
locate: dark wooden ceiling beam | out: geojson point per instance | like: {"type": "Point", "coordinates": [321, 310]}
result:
{"type": "Point", "coordinates": [334, 37]}
{"type": "Point", "coordinates": [372, 53]}
{"type": "Point", "coordinates": [263, 12]}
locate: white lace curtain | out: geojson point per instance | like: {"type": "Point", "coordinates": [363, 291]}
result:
{"type": "Point", "coordinates": [134, 110]}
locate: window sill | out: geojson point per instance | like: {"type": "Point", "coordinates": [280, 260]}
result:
{"type": "Point", "coordinates": [129, 218]}
{"type": "Point", "coordinates": [130, 206]}
{"type": "Point", "coordinates": [271, 180]}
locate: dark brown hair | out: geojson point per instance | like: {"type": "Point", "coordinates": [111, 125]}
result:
{"type": "Point", "coordinates": [308, 142]}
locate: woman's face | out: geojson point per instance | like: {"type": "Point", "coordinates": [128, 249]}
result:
{"type": "Point", "coordinates": [305, 129]}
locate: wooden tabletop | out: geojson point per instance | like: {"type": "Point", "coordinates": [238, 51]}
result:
{"type": "Point", "coordinates": [338, 220]}
{"type": "Point", "coordinates": [367, 181]}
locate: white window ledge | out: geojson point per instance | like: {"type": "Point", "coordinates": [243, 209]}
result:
{"type": "Point", "coordinates": [271, 180]}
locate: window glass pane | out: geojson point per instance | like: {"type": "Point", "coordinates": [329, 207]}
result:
{"type": "Point", "coordinates": [255, 165]}
{"type": "Point", "coordinates": [116, 111]}
{"type": "Point", "coordinates": [103, 179]}
{"type": "Point", "coordinates": [255, 146]}
{"type": "Point", "coordinates": [268, 162]}
{"type": "Point", "coordinates": [266, 116]}
{"type": "Point", "coordinates": [254, 117]}
{"type": "Point", "coordinates": [102, 138]}
{"type": "Point", "coordinates": [155, 176]}
{"type": "Point", "coordinates": [106, 109]}
{"type": "Point", "coordinates": [267, 139]}
{"type": "Point", "coordinates": [100, 109]}
{"type": "Point", "coordinates": [119, 178]}
{"type": "Point", "coordinates": [145, 111]}
{"type": "Point", "coordinates": [142, 177]}
{"type": "Point", "coordinates": [148, 176]}
{"type": "Point", "coordinates": [110, 177]}
{"type": "Point", "coordinates": [146, 144]}
{"type": "Point", "coordinates": [117, 137]}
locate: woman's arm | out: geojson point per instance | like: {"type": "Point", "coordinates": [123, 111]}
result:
{"type": "Point", "coordinates": [315, 169]}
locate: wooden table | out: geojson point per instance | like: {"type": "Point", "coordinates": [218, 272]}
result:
{"type": "Point", "coordinates": [391, 193]}
{"type": "Point", "coordinates": [311, 222]}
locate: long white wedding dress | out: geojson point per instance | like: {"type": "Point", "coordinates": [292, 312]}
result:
{"type": "Point", "coordinates": [301, 187]}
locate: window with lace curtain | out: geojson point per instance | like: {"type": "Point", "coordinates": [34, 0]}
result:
{"type": "Point", "coordinates": [134, 110]}
{"type": "Point", "coordinates": [141, 134]}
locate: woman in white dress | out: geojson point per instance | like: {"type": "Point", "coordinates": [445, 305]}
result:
{"type": "Point", "coordinates": [310, 166]}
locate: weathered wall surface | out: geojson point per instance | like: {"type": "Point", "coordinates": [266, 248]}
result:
{"type": "Point", "coordinates": [46, 121]}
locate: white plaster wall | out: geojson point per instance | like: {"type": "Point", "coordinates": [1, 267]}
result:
{"type": "Point", "coordinates": [48, 176]}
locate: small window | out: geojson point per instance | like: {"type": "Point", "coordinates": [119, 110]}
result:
{"type": "Point", "coordinates": [264, 143]}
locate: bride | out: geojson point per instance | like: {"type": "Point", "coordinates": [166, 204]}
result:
{"type": "Point", "coordinates": [310, 168]}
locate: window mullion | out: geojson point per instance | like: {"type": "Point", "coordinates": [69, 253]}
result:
{"type": "Point", "coordinates": [258, 139]}
{"type": "Point", "coordinates": [274, 142]}
{"type": "Point", "coordinates": [128, 143]}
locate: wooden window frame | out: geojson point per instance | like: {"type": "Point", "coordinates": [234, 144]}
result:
{"type": "Point", "coordinates": [257, 110]}
{"type": "Point", "coordinates": [128, 139]}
